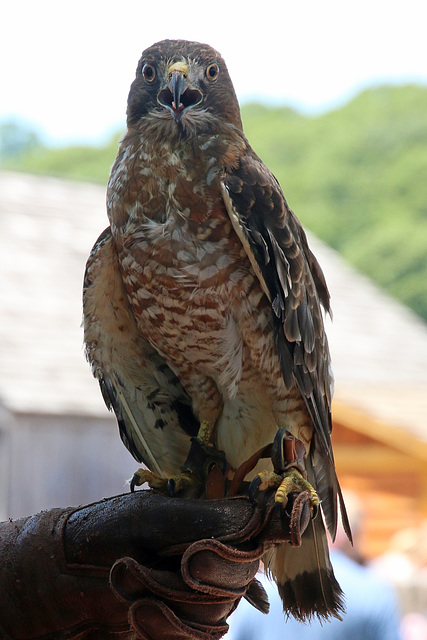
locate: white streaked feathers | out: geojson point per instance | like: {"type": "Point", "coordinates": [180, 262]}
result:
{"type": "Point", "coordinates": [230, 361]}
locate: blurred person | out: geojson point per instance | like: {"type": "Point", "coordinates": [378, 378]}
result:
{"type": "Point", "coordinates": [404, 564]}
{"type": "Point", "coordinates": [372, 610]}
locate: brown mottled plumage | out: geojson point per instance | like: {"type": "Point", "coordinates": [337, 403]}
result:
{"type": "Point", "coordinates": [202, 299]}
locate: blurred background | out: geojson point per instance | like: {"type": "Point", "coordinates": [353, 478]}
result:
{"type": "Point", "coordinates": [334, 100]}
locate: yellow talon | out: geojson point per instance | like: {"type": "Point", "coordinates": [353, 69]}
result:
{"type": "Point", "coordinates": [294, 481]}
{"type": "Point", "coordinates": [282, 492]}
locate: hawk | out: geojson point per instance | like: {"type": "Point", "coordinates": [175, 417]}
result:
{"type": "Point", "coordinates": [203, 302]}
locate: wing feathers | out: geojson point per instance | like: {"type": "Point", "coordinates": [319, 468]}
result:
{"type": "Point", "coordinates": [295, 285]}
{"type": "Point", "coordinates": [277, 247]}
{"type": "Point", "coordinates": [152, 409]}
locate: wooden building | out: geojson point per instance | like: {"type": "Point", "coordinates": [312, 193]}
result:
{"type": "Point", "coordinates": [60, 446]}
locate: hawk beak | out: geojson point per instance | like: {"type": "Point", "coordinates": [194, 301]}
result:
{"type": "Point", "coordinates": [177, 86]}
{"type": "Point", "coordinates": [177, 96]}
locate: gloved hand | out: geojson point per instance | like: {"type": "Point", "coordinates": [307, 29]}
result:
{"type": "Point", "coordinates": [193, 603]}
{"type": "Point", "coordinates": [137, 566]}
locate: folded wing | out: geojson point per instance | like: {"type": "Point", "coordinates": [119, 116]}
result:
{"type": "Point", "coordinates": [153, 411]}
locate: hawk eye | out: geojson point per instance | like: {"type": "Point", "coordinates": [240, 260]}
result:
{"type": "Point", "coordinates": [212, 72]}
{"type": "Point", "coordinates": [149, 72]}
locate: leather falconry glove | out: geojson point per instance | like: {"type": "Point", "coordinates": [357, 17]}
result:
{"type": "Point", "coordinates": [133, 567]}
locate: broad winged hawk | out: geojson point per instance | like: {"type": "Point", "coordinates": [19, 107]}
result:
{"type": "Point", "coordinates": [203, 302]}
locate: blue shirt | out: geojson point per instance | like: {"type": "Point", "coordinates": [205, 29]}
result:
{"type": "Point", "coordinates": [371, 611]}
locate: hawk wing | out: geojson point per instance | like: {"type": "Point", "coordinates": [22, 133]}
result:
{"type": "Point", "coordinates": [152, 409]}
{"type": "Point", "coordinates": [293, 281]}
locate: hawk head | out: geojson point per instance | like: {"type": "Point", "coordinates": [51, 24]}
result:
{"type": "Point", "coordinates": [182, 87]}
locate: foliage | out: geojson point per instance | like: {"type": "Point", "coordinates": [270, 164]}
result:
{"type": "Point", "coordinates": [85, 163]}
{"type": "Point", "coordinates": [356, 176]}
{"type": "Point", "coordinates": [16, 141]}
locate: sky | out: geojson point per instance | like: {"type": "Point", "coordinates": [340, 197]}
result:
{"type": "Point", "coordinates": [66, 67]}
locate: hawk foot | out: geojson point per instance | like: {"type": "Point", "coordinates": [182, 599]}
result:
{"type": "Point", "coordinates": [266, 480]}
{"type": "Point", "coordinates": [173, 484]}
{"type": "Point", "coordinates": [287, 456]}
{"type": "Point", "coordinates": [204, 471]}
{"type": "Point", "coordinates": [291, 480]}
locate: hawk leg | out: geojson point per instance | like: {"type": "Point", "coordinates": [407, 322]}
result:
{"type": "Point", "coordinates": [201, 460]}
{"type": "Point", "coordinates": [206, 429]}
{"type": "Point", "coordinates": [288, 475]}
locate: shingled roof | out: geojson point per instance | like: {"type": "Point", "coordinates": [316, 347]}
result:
{"type": "Point", "coordinates": [48, 226]}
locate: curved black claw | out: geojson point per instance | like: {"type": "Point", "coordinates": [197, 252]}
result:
{"type": "Point", "coordinates": [277, 451]}
{"type": "Point", "coordinates": [171, 487]}
{"type": "Point", "coordinates": [253, 488]}
{"type": "Point", "coordinates": [314, 511]}
{"type": "Point", "coordinates": [134, 482]}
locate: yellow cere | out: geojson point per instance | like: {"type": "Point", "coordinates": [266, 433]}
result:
{"type": "Point", "coordinates": [181, 67]}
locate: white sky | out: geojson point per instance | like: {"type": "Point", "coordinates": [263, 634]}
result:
{"type": "Point", "coordinates": [67, 67]}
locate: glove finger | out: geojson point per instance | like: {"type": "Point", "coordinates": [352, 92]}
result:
{"type": "Point", "coordinates": [217, 569]}
{"type": "Point", "coordinates": [133, 582]}
{"type": "Point", "coordinates": [154, 620]}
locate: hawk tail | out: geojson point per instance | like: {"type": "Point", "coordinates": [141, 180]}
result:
{"type": "Point", "coordinates": [305, 577]}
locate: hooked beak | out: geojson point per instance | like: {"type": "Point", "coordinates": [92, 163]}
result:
{"type": "Point", "coordinates": [177, 96]}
